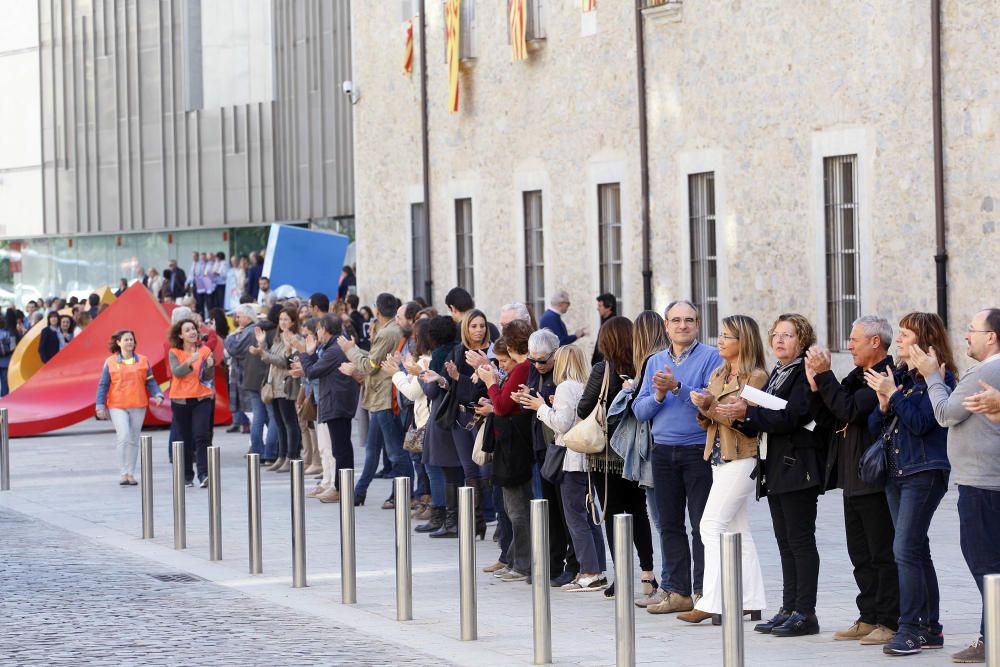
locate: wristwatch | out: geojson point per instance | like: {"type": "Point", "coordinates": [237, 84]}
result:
{"type": "Point", "coordinates": [676, 390]}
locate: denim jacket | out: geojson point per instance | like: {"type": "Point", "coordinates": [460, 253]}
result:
{"type": "Point", "coordinates": [918, 441]}
{"type": "Point", "coordinates": [632, 440]}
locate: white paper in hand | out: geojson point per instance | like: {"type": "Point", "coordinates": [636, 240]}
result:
{"type": "Point", "coordinates": [763, 399]}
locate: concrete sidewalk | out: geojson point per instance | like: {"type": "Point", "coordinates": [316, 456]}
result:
{"type": "Point", "coordinates": [69, 479]}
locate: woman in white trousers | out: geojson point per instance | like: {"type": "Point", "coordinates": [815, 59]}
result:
{"type": "Point", "coordinates": [733, 455]}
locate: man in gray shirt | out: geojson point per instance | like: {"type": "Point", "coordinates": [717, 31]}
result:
{"type": "Point", "coordinates": [973, 450]}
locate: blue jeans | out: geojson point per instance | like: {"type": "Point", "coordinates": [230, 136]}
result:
{"type": "Point", "coordinates": [979, 533]}
{"type": "Point", "coordinates": [257, 420]}
{"type": "Point", "coordinates": [383, 426]}
{"type": "Point", "coordinates": [912, 502]}
{"type": "Point", "coordinates": [435, 478]}
{"type": "Point", "coordinates": [505, 531]}
{"type": "Point", "coordinates": [588, 542]}
{"type": "Point", "coordinates": [682, 477]}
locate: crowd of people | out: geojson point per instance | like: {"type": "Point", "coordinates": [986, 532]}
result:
{"type": "Point", "coordinates": [658, 424]}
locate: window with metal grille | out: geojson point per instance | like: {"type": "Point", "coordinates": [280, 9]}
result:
{"type": "Point", "coordinates": [421, 250]}
{"type": "Point", "coordinates": [704, 260]}
{"type": "Point", "coordinates": [534, 256]}
{"type": "Point", "coordinates": [609, 203]}
{"type": "Point", "coordinates": [840, 187]}
{"type": "Point", "coordinates": [463, 245]}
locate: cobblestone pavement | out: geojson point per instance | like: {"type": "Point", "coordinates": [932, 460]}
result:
{"type": "Point", "coordinates": [64, 600]}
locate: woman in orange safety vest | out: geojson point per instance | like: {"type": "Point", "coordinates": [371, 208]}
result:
{"type": "Point", "coordinates": [123, 392]}
{"type": "Point", "coordinates": [192, 395]}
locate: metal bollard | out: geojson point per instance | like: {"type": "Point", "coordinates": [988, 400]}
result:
{"type": "Point", "coordinates": [624, 594]}
{"type": "Point", "coordinates": [4, 451]}
{"type": "Point", "coordinates": [146, 477]}
{"type": "Point", "coordinates": [348, 566]}
{"type": "Point", "coordinates": [991, 609]}
{"type": "Point", "coordinates": [404, 556]}
{"type": "Point", "coordinates": [214, 504]}
{"type": "Point", "coordinates": [732, 599]}
{"type": "Point", "coordinates": [180, 517]}
{"type": "Point", "coordinates": [253, 512]}
{"type": "Point", "coordinates": [298, 525]}
{"type": "Point", "coordinates": [540, 602]}
{"type": "Point", "coordinates": [467, 560]}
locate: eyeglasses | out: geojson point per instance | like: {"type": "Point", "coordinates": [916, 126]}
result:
{"type": "Point", "coordinates": [782, 336]}
{"type": "Point", "coordinates": [539, 362]}
{"type": "Point", "coordinates": [725, 336]}
{"type": "Point", "coordinates": [971, 330]}
{"type": "Point", "coordinates": [686, 320]}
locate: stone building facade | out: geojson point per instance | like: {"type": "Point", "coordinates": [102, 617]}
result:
{"type": "Point", "coordinates": [791, 161]}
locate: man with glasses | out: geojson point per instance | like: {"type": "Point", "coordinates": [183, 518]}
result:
{"type": "Point", "coordinates": [563, 566]}
{"type": "Point", "coordinates": [552, 318]}
{"type": "Point", "coordinates": [682, 477]}
{"type": "Point", "coordinates": [973, 446]}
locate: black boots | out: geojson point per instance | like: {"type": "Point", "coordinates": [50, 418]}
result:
{"type": "Point", "coordinates": [480, 486]}
{"type": "Point", "coordinates": [450, 526]}
{"type": "Point", "coordinates": [435, 522]}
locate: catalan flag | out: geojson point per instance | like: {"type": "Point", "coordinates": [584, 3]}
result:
{"type": "Point", "coordinates": [589, 5]}
{"type": "Point", "coordinates": [453, 22]}
{"type": "Point", "coordinates": [518, 43]}
{"type": "Point", "coordinates": [408, 49]}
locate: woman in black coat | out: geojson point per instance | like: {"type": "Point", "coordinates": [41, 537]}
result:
{"type": "Point", "coordinates": [790, 473]}
{"type": "Point", "coordinates": [49, 340]}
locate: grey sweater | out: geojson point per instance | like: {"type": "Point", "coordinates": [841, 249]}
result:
{"type": "Point", "coordinates": [973, 440]}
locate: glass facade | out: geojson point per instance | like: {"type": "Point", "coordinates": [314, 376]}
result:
{"type": "Point", "coordinates": [67, 266]}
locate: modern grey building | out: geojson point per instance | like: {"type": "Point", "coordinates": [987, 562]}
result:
{"type": "Point", "coordinates": [151, 128]}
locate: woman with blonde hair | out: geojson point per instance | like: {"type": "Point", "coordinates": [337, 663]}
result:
{"type": "Point", "coordinates": [733, 455]}
{"type": "Point", "coordinates": [570, 372]}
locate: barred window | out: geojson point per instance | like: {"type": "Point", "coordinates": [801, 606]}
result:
{"type": "Point", "coordinates": [840, 187]}
{"type": "Point", "coordinates": [463, 245]}
{"type": "Point", "coordinates": [609, 201]}
{"type": "Point", "coordinates": [704, 260]}
{"type": "Point", "coordinates": [421, 250]}
{"type": "Point", "coordinates": [534, 255]}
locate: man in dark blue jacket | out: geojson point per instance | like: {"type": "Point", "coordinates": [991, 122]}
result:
{"type": "Point", "coordinates": [552, 318]}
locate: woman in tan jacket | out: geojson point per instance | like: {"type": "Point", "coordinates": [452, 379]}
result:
{"type": "Point", "coordinates": [733, 457]}
{"type": "Point", "coordinates": [284, 388]}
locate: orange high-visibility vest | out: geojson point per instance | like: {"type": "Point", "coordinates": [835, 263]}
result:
{"type": "Point", "coordinates": [190, 386]}
{"type": "Point", "coordinates": [128, 382]}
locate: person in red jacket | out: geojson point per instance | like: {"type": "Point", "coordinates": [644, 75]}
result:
{"type": "Point", "coordinates": [123, 393]}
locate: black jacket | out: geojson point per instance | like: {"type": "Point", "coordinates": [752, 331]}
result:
{"type": "Point", "coordinates": [796, 457]}
{"type": "Point", "coordinates": [338, 393]}
{"type": "Point", "coordinates": [843, 408]}
{"type": "Point", "coordinates": [48, 344]}
{"type": "Point", "coordinates": [178, 288]}
{"type": "Point", "coordinates": [592, 391]}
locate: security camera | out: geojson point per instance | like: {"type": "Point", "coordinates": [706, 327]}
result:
{"type": "Point", "coordinates": [348, 87]}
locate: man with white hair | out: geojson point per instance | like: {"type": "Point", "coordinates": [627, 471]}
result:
{"type": "Point", "coordinates": [237, 345]}
{"type": "Point", "coordinates": [514, 311]}
{"type": "Point", "coordinates": [563, 566]}
{"type": "Point", "coordinates": [843, 408]}
{"type": "Point", "coordinates": [552, 318]}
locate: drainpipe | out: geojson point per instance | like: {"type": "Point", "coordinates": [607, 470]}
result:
{"type": "Point", "coordinates": [640, 76]}
{"type": "Point", "coordinates": [941, 256]}
{"type": "Point", "coordinates": [425, 153]}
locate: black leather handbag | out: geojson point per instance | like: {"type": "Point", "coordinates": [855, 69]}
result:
{"type": "Point", "coordinates": [871, 467]}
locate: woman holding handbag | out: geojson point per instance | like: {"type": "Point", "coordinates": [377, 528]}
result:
{"type": "Point", "coordinates": [917, 472]}
{"type": "Point", "coordinates": [733, 455]}
{"type": "Point", "coordinates": [790, 473]}
{"type": "Point", "coordinates": [614, 342]}
{"type": "Point", "coordinates": [569, 373]}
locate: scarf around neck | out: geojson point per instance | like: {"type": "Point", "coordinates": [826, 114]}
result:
{"type": "Point", "coordinates": [781, 373]}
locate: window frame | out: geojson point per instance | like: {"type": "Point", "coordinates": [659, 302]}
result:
{"type": "Point", "coordinates": [703, 252]}
{"type": "Point", "coordinates": [465, 274]}
{"type": "Point", "coordinates": [610, 271]}
{"type": "Point", "coordinates": [841, 247]}
{"type": "Point", "coordinates": [532, 202]}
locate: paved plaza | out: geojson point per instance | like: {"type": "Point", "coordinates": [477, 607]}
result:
{"type": "Point", "coordinates": [78, 586]}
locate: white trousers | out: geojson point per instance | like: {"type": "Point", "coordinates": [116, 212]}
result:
{"type": "Point", "coordinates": [726, 512]}
{"type": "Point", "coordinates": [326, 459]}
{"type": "Point", "coordinates": [128, 428]}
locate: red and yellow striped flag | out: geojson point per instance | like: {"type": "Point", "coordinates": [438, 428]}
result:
{"type": "Point", "coordinates": [518, 42]}
{"type": "Point", "coordinates": [589, 5]}
{"type": "Point", "coordinates": [408, 49]}
{"type": "Point", "coordinates": [453, 22]}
